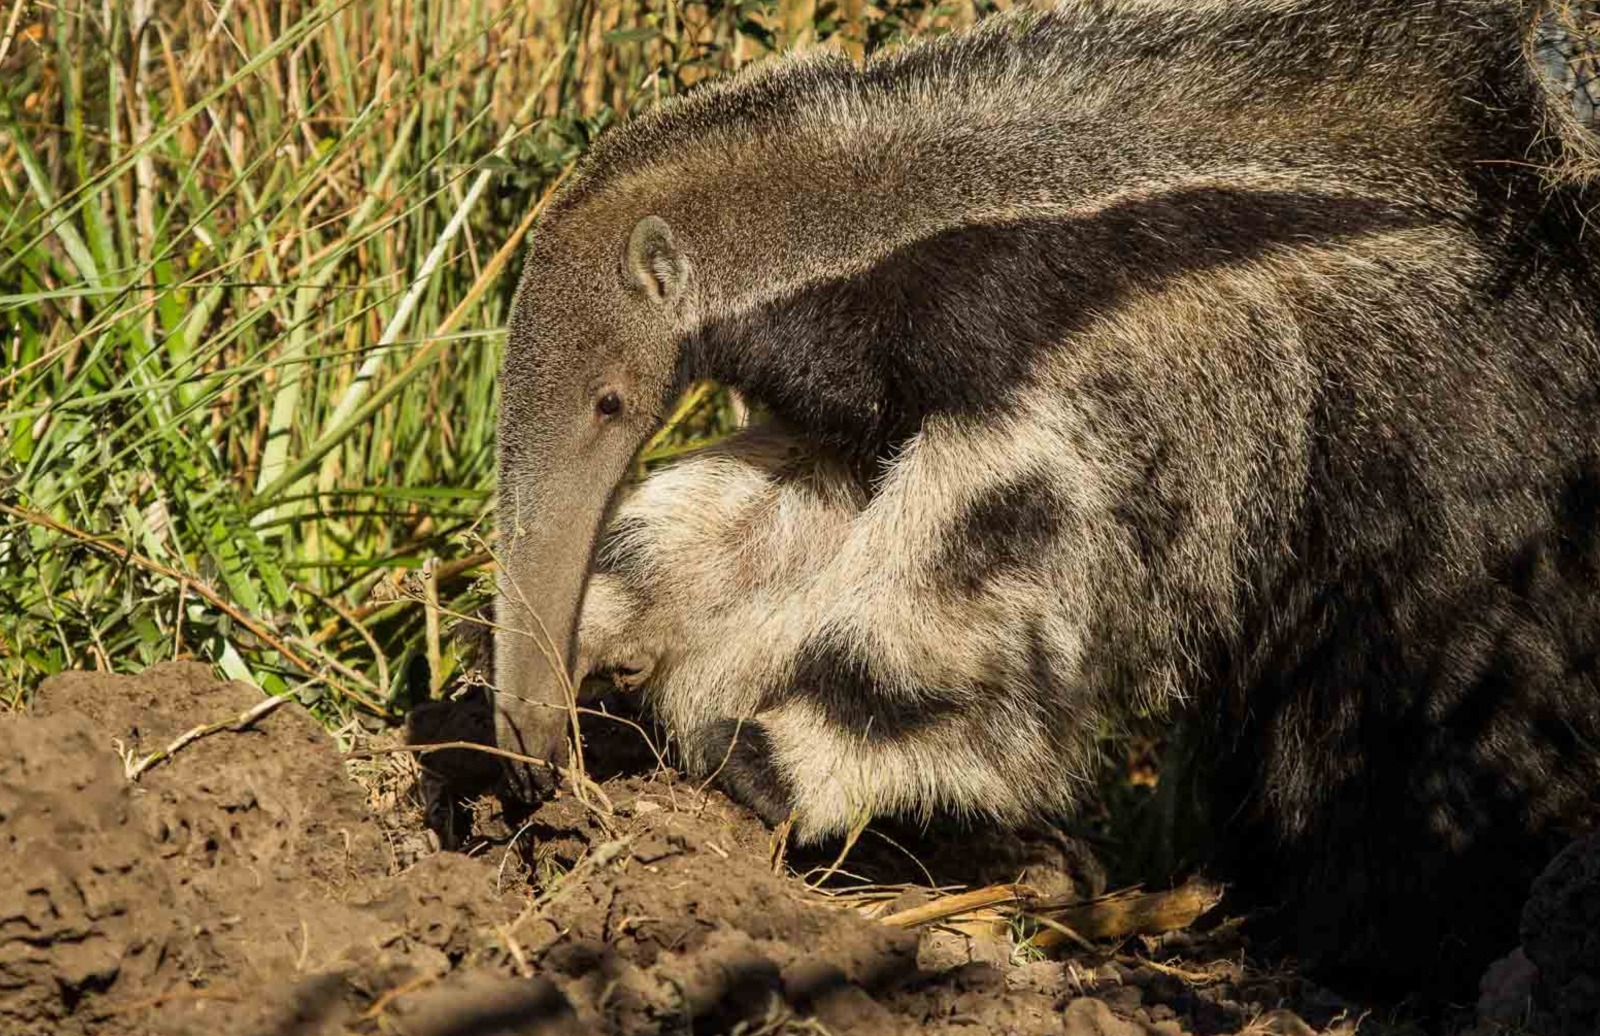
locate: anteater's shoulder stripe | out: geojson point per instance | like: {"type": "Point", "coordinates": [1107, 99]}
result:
{"type": "Point", "coordinates": [953, 323]}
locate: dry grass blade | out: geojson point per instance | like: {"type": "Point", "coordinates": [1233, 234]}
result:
{"type": "Point", "coordinates": [1122, 914]}
{"type": "Point", "coordinates": [947, 907]}
{"type": "Point", "coordinates": [1107, 918]}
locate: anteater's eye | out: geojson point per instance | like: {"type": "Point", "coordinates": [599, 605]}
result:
{"type": "Point", "coordinates": [608, 405]}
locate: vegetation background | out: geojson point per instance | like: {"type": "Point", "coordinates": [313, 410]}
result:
{"type": "Point", "coordinates": [255, 259]}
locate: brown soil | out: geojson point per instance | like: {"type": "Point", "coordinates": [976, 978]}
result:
{"type": "Point", "coordinates": [261, 882]}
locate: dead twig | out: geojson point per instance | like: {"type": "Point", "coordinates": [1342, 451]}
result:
{"type": "Point", "coordinates": [466, 746]}
{"type": "Point", "coordinates": [863, 818]}
{"type": "Point", "coordinates": [447, 572]}
{"type": "Point", "coordinates": [238, 723]}
{"type": "Point", "coordinates": [513, 947]}
{"type": "Point", "coordinates": [960, 903]}
{"type": "Point", "coordinates": [333, 604]}
{"type": "Point", "coordinates": [1191, 978]}
{"type": "Point", "coordinates": [224, 995]}
{"type": "Point", "coordinates": [662, 769]}
{"type": "Point", "coordinates": [778, 845]}
{"type": "Point", "coordinates": [602, 855]}
{"type": "Point", "coordinates": [389, 996]}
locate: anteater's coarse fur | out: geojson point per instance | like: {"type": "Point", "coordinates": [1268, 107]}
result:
{"type": "Point", "coordinates": [1233, 357]}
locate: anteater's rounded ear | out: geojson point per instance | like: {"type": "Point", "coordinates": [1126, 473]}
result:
{"type": "Point", "coordinates": [652, 263]}
{"type": "Point", "coordinates": [1563, 50]}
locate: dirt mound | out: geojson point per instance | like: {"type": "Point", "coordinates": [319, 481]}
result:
{"type": "Point", "coordinates": [249, 884]}
{"type": "Point", "coordinates": [241, 887]}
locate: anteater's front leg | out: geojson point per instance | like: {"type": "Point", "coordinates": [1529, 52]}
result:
{"type": "Point", "coordinates": [831, 651]}
{"type": "Point", "coordinates": [695, 568]}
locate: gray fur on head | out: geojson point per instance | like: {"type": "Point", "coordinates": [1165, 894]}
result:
{"type": "Point", "coordinates": [1127, 355]}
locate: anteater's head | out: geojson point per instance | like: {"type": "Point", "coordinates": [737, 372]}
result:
{"type": "Point", "coordinates": [590, 368]}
